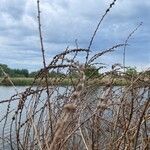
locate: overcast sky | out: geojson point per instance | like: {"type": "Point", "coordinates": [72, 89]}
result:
{"type": "Point", "coordinates": [63, 21]}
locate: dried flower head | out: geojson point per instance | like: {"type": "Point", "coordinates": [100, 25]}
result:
{"type": "Point", "coordinates": [70, 107]}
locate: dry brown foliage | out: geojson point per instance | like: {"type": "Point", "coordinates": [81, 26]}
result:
{"type": "Point", "coordinates": [81, 116]}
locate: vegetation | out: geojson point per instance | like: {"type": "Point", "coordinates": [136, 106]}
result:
{"type": "Point", "coordinates": [90, 71]}
{"type": "Point", "coordinates": [131, 71]}
{"type": "Point", "coordinates": [81, 116]}
{"type": "Point", "coordinates": [13, 72]}
{"type": "Point", "coordinates": [24, 78]}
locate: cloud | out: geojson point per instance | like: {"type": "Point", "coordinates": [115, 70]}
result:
{"type": "Point", "coordinates": [66, 20]}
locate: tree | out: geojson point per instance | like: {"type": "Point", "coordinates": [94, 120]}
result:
{"type": "Point", "coordinates": [91, 71]}
{"type": "Point", "coordinates": [5, 68]}
{"type": "Point", "coordinates": [33, 74]}
{"type": "Point", "coordinates": [25, 72]}
{"type": "Point", "coordinates": [13, 72]}
{"type": "Point", "coordinates": [131, 71]}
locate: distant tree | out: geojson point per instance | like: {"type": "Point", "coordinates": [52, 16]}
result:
{"type": "Point", "coordinates": [13, 72]}
{"type": "Point", "coordinates": [33, 74]}
{"type": "Point", "coordinates": [131, 71]}
{"type": "Point", "coordinates": [5, 68]}
{"type": "Point", "coordinates": [20, 73]}
{"type": "Point", "coordinates": [25, 72]}
{"type": "Point", "coordinates": [91, 71]}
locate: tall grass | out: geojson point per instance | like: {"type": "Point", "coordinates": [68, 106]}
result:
{"type": "Point", "coordinates": [81, 116]}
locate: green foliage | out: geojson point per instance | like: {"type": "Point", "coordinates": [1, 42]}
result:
{"type": "Point", "coordinates": [13, 72]}
{"type": "Point", "coordinates": [20, 73]}
{"type": "Point", "coordinates": [33, 74]}
{"type": "Point", "coordinates": [131, 71]}
{"type": "Point", "coordinates": [91, 71]}
{"type": "Point", "coordinates": [5, 68]}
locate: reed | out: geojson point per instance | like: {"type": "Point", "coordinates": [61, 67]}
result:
{"type": "Point", "coordinates": [83, 115]}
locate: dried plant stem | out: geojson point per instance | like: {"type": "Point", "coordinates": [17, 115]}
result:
{"type": "Point", "coordinates": [147, 103]}
{"type": "Point", "coordinates": [97, 27]}
{"type": "Point", "coordinates": [126, 42]}
{"type": "Point", "coordinates": [44, 63]}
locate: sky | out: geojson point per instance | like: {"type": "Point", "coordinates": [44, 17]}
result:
{"type": "Point", "coordinates": [63, 21]}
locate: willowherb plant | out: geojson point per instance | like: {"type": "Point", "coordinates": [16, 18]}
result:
{"type": "Point", "coordinates": [83, 114]}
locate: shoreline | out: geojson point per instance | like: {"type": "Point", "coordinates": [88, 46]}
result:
{"type": "Point", "coordinates": [65, 82]}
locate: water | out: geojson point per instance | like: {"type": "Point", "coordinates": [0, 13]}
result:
{"type": "Point", "coordinates": [7, 92]}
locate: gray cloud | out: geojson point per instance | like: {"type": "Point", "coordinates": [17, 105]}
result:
{"type": "Point", "coordinates": [66, 20]}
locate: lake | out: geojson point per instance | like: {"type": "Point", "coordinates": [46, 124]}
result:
{"type": "Point", "coordinates": [6, 92]}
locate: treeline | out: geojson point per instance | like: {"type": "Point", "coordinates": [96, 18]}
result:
{"type": "Point", "coordinates": [91, 71]}
{"type": "Point", "coordinates": [22, 72]}
{"type": "Point", "coordinates": [13, 72]}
